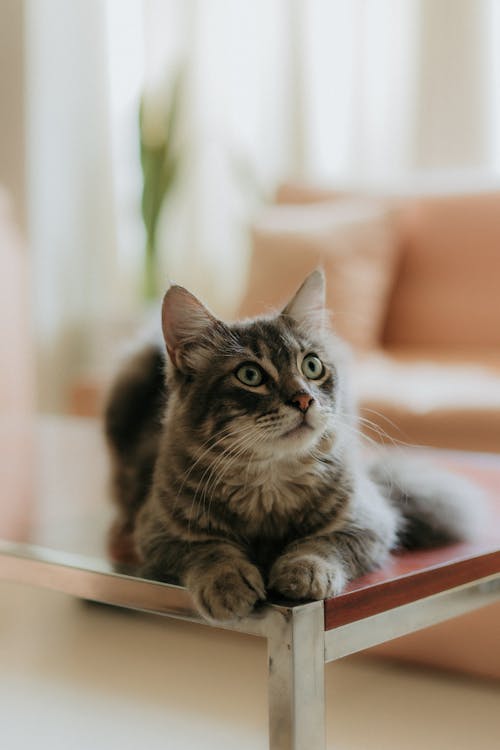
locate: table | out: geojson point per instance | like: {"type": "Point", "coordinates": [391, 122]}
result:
{"type": "Point", "coordinates": [54, 516]}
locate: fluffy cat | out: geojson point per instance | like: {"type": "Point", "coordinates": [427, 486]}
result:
{"type": "Point", "coordinates": [238, 469]}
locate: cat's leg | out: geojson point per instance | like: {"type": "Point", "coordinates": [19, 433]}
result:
{"type": "Point", "coordinates": [224, 584]}
{"type": "Point", "coordinates": [319, 566]}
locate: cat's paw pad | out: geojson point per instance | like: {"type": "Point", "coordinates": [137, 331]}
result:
{"type": "Point", "coordinates": [228, 591]}
{"type": "Point", "coordinates": [307, 577]}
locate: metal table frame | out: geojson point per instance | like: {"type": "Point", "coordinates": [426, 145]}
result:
{"type": "Point", "coordinates": [298, 644]}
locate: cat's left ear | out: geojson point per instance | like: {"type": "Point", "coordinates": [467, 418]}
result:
{"type": "Point", "coordinates": [307, 306]}
{"type": "Point", "coordinates": [185, 323]}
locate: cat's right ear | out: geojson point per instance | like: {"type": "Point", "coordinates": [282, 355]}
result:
{"type": "Point", "coordinates": [307, 306]}
{"type": "Point", "coordinates": [184, 321]}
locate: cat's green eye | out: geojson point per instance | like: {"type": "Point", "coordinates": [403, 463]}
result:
{"type": "Point", "coordinates": [250, 374]}
{"type": "Point", "coordinates": [312, 367]}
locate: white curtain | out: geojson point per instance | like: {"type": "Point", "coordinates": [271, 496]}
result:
{"type": "Point", "coordinates": [238, 130]}
{"type": "Point", "coordinates": [71, 236]}
{"type": "Point", "coordinates": [318, 90]}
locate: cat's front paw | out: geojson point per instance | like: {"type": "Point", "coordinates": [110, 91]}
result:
{"type": "Point", "coordinates": [228, 591]}
{"type": "Point", "coordinates": [306, 577]}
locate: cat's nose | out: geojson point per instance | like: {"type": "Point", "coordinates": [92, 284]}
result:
{"type": "Point", "coordinates": [301, 400]}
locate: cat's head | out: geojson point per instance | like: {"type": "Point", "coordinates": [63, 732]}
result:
{"type": "Point", "coordinates": [268, 386]}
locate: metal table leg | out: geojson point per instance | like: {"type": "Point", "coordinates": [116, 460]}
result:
{"type": "Point", "coordinates": [295, 635]}
{"type": "Point", "coordinates": [296, 679]}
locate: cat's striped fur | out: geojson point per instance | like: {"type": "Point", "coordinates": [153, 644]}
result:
{"type": "Point", "coordinates": [235, 489]}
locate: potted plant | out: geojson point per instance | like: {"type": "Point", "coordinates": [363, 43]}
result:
{"type": "Point", "coordinates": [160, 162]}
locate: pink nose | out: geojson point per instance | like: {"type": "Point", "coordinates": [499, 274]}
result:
{"type": "Point", "coordinates": [302, 401]}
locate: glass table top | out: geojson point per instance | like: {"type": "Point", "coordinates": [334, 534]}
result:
{"type": "Point", "coordinates": [55, 502]}
{"type": "Point", "coordinates": [54, 494]}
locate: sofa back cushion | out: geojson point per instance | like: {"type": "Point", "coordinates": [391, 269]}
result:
{"type": "Point", "coordinates": [355, 243]}
{"type": "Point", "coordinates": [447, 288]}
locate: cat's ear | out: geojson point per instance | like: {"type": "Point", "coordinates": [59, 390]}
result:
{"type": "Point", "coordinates": [308, 303]}
{"type": "Point", "coordinates": [185, 321]}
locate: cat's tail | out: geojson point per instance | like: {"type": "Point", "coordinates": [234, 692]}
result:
{"type": "Point", "coordinates": [436, 506]}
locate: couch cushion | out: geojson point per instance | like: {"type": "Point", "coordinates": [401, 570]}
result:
{"type": "Point", "coordinates": [424, 397]}
{"type": "Point", "coordinates": [292, 193]}
{"type": "Point", "coordinates": [447, 288]}
{"type": "Point", "coordinates": [355, 243]}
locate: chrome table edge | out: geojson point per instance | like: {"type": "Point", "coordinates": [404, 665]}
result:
{"type": "Point", "coordinates": [408, 618]}
{"type": "Point", "coordinates": [94, 579]}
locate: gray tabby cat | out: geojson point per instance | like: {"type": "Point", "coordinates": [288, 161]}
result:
{"type": "Point", "coordinates": [238, 468]}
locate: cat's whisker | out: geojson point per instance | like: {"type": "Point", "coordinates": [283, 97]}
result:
{"type": "Point", "coordinates": [383, 434]}
{"type": "Point", "coordinates": [381, 415]}
{"type": "Point", "coordinates": [240, 450]}
{"type": "Point", "coordinates": [222, 435]}
{"type": "Point", "coordinates": [241, 438]}
{"type": "Point", "coordinates": [363, 437]}
{"type": "Point", "coordinates": [213, 477]}
{"type": "Point", "coordinates": [381, 437]}
{"type": "Point", "coordinates": [354, 428]}
{"type": "Point", "coordinates": [259, 438]}
{"type": "Point", "coordinates": [214, 465]}
{"type": "Point", "coordinates": [377, 447]}
{"type": "Point", "coordinates": [212, 442]}
{"type": "Point", "coordinates": [214, 480]}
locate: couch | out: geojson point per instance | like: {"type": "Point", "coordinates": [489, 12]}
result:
{"type": "Point", "coordinates": [423, 317]}
{"type": "Point", "coordinates": [428, 356]}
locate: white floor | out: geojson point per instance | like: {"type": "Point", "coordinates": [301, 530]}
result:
{"type": "Point", "coordinates": [81, 677]}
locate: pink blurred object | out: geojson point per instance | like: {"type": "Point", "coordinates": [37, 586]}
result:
{"type": "Point", "coordinates": [16, 365]}
{"type": "Point", "coordinates": [16, 378]}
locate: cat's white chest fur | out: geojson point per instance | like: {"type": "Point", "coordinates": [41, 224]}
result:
{"type": "Point", "coordinates": [268, 490]}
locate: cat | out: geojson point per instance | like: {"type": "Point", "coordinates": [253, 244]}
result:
{"type": "Point", "coordinates": [238, 468]}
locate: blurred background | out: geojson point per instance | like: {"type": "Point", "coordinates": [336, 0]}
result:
{"type": "Point", "coordinates": [223, 145]}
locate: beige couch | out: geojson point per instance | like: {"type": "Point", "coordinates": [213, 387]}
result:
{"type": "Point", "coordinates": [423, 313]}
{"type": "Point", "coordinates": [424, 319]}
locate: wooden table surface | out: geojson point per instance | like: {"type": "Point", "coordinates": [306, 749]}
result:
{"type": "Point", "coordinates": [54, 496]}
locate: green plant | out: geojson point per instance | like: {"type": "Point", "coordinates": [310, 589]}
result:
{"type": "Point", "coordinates": [160, 161]}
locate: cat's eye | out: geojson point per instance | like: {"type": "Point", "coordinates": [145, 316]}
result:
{"type": "Point", "coordinates": [312, 367]}
{"type": "Point", "coordinates": [250, 374]}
